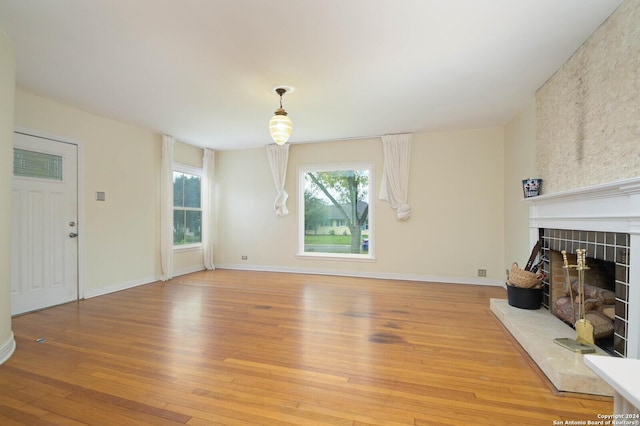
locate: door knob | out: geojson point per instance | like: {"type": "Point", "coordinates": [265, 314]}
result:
{"type": "Point", "coordinates": [72, 235]}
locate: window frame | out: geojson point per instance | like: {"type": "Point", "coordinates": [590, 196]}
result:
{"type": "Point", "coordinates": [196, 171]}
{"type": "Point", "coordinates": [331, 167]}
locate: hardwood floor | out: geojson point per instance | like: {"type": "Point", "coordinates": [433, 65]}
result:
{"type": "Point", "coordinates": [253, 348]}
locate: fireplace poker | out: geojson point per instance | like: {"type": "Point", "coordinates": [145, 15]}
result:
{"type": "Point", "coordinates": [583, 343]}
{"type": "Point", "coordinates": [567, 283]}
{"type": "Point", "coordinates": [584, 328]}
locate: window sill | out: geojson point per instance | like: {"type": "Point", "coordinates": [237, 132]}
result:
{"type": "Point", "coordinates": [336, 256]}
{"type": "Point", "coordinates": [187, 247]}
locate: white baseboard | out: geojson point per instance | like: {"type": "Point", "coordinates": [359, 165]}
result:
{"type": "Point", "coordinates": [360, 274]}
{"type": "Point", "coordinates": [89, 293]}
{"type": "Point", "coordinates": [135, 283]}
{"type": "Point", "coordinates": [7, 349]}
{"type": "Point", "coordinates": [188, 270]}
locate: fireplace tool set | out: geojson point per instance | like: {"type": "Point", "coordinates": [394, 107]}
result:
{"type": "Point", "coordinates": [583, 342]}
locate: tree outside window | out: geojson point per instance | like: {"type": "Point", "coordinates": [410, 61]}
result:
{"type": "Point", "coordinates": [336, 210]}
{"type": "Point", "coordinates": [187, 208]}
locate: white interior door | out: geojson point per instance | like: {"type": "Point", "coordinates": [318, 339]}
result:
{"type": "Point", "coordinates": [44, 250]}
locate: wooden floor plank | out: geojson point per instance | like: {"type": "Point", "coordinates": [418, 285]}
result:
{"type": "Point", "coordinates": [239, 348]}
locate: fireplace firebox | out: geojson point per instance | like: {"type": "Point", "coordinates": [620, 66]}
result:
{"type": "Point", "coordinates": [607, 282]}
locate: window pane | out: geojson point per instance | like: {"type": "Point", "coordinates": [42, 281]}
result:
{"type": "Point", "coordinates": [187, 227]}
{"type": "Point", "coordinates": [179, 220]}
{"type": "Point", "coordinates": [36, 164]}
{"type": "Point", "coordinates": [336, 211]}
{"type": "Point", "coordinates": [186, 190]}
{"type": "Point", "coordinates": [193, 229]}
{"type": "Point", "coordinates": [191, 191]}
{"type": "Point", "coordinates": [178, 189]}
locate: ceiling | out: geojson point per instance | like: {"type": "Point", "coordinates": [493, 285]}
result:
{"type": "Point", "coordinates": [203, 70]}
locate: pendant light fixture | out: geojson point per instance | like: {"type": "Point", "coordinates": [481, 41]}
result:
{"type": "Point", "coordinates": [280, 125]}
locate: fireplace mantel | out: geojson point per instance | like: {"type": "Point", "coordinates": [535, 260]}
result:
{"type": "Point", "coordinates": [611, 207]}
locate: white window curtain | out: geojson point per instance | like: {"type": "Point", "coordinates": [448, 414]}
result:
{"type": "Point", "coordinates": [207, 207]}
{"type": "Point", "coordinates": [278, 157]}
{"type": "Point", "coordinates": [166, 207]}
{"type": "Point", "coordinates": [395, 175]}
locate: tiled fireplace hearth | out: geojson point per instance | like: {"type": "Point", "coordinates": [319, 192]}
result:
{"type": "Point", "coordinates": [605, 220]}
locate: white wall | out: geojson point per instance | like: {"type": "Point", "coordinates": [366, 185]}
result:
{"type": "Point", "coordinates": [519, 164]}
{"type": "Point", "coordinates": [121, 234]}
{"type": "Point", "coordinates": [456, 190]}
{"type": "Point", "coordinates": [7, 85]}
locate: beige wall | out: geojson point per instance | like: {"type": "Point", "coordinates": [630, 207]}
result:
{"type": "Point", "coordinates": [588, 128]}
{"type": "Point", "coordinates": [456, 190]}
{"type": "Point", "coordinates": [121, 234]}
{"type": "Point", "coordinates": [7, 85]}
{"type": "Point", "coordinates": [188, 154]}
{"type": "Point", "coordinates": [519, 164]}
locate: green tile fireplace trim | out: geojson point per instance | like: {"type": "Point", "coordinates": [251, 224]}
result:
{"type": "Point", "coordinates": [607, 246]}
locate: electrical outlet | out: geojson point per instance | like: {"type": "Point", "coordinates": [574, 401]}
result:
{"type": "Point", "coordinates": [244, 257]}
{"type": "Point", "coordinates": [482, 272]}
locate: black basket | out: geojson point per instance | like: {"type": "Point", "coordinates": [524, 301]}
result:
{"type": "Point", "coordinates": [524, 298]}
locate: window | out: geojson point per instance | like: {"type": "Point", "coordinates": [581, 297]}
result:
{"type": "Point", "coordinates": [38, 165]}
{"type": "Point", "coordinates": [336, 211]}
{"type": "Point", "coordinates": [187, 209]}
